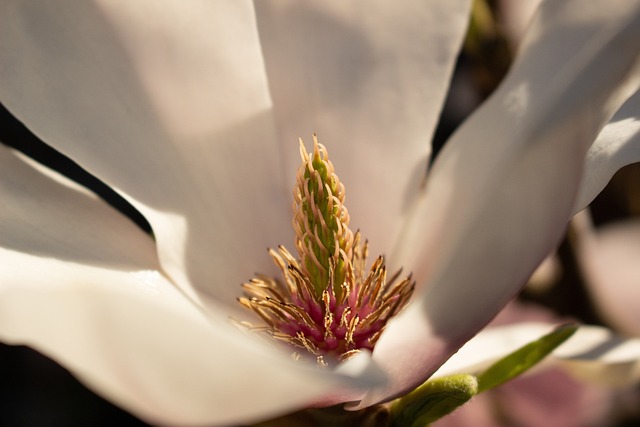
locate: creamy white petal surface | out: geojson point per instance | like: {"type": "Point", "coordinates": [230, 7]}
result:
{"type": "Point", "coordinates": [618, 145]}
{"type": "Point", "coordinates": [80, 283]}
{"type": "Point", "coordinates": [370, 78]}
{"type": "Point", "coordinates": [170, 106]}
{"type": "Point", "coordinates": [48, 216]}
{"type": "Point", "coordinates": [500, 194]}
{"type": "Point", "coordinates": [610, 261]}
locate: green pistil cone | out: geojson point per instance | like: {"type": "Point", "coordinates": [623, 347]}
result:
{"type": "Point", "coordinates": [321, 221]}
{"type": "Point", "coordinates": [433, 400]}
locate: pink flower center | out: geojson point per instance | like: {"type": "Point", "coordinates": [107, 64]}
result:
{"type": "Point", "coordinates": [327, 304]}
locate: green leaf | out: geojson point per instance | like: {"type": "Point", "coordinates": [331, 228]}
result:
{"type": "Point", "coordinates": [524, 358]}
{"type": "Point", "coordinates": [433, 400]}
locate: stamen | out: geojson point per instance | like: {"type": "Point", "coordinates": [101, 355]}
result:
{"type": "Point", "coordinates": [328, 305]}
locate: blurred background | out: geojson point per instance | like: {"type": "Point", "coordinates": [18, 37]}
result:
{"type": "Point", "coordinates": [35, 391]}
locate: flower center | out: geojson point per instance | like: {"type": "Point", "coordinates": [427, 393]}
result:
{"type": "Point", "coordinates": [327, 305]}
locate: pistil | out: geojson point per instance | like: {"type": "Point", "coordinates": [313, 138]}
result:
{"type": "Point", "coordinates": [327, 305]}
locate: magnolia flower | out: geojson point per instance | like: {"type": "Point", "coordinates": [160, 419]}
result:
{"type": "Point", "coordinates": [192, 111]}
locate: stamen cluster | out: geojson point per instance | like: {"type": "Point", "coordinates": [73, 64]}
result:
{"type": "Point", "coordinates": [327, 304]}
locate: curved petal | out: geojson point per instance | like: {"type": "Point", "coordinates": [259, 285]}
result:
{"type": "Point", "coordinates": [80, 283]}
{"type": "Point", "coordinates": [618, 145]}
{"type": "Point", "coordinates": [49, 216]}
{"type": "Point", "coordinates": [592, 352]}
{"type": "Point", "coordinates": [170, 106]}
{"type": "Point", "coordinates": [516, 17]}
{"type": "Point", "coordinates": [369, 78]}
{"type": "Point", "coordinates": [134, 339]}
{"type": "Point", "coordinates": [609, 260]}
{"type": "Point", "coordinates": [501, 192]}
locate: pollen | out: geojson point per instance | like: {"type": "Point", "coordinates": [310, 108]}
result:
{"type": "Point", "coordinates": [327, 305]}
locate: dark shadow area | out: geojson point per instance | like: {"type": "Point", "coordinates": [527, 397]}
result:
{"type": "Point", "coordinates": [38, 392]}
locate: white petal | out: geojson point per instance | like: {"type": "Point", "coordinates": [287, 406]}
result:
{"type": "Point", "coordinates": [593, 352]}
{"type": "Point", "coordinates": [501, 192]}
{"type": "Point", "coordinates": [370, 78]}
{"type": "Point", "coordinates": [46, 215]}
{"type": "Point", "coordinates": [609, 261]}
{"type": "Point", "coordinates": [170, 106]}
{"type": "Point", "coordinates": [516, 17]}
{"type": "Point", "coordinates": [492, 344]}
{"type": "Point", "coordinates": [79, 282]}
{"type": "Point", "coordinates": [617, 145]}
{"type": "Point", "coordinates": [137, 341]}
{"type": "Point", "coordinates": [598, 355]}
